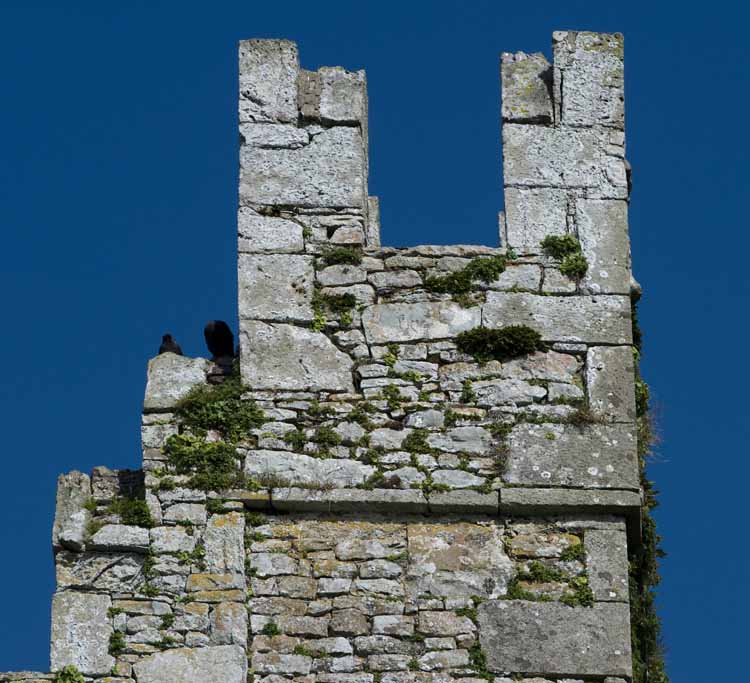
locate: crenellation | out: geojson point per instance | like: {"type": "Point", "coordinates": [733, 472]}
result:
{"type": "Point", "coordinates": [425, 468]}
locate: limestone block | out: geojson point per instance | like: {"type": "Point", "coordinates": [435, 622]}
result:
{"type": "Point", "coordinates": [544, 156]}
{"type": "Point", "coordinates": [267, 233]}
{"type": "Point", "coordinates": [268, 80]}
{"type": "Point", "coordinates": [120, 537]}
{"type": "Point", "coordinates": [532, 213]}
{"type": "Point", "coordinates": [224, 543]}
{"type": "Point", "coordinates": [80, 632]}
{"type": "Point", "coordinates": [457, 561]}
{"type": "Point", "coordinates": [522, 276]}
{"type": "Point", "coordinates": [275, 287]}
{"type": "Point", "coordinates": [171, 539]}
{"type": "Point", "coordinates": [71, 518]}
{"type": "Point", "coordinates": [273, 135]}
{"type": "Point", "coordinates": [521, 501]}
{"type": "Point", "coordinates": [607, 563]}
{"type": "Point", "coordinates": [170, 378]}
{"type": "Point", "coordinates": [343, 95]}
{"type": "Point", "coordinates": [592, 78]}
{"type": "Point", "coordinates": [95, 571]}
{"type": "Point", "coordinates": [327, 172]}
{"type": "Point", "coordinates": [526, 87]}
{"type": "Point", "coordinates": [496, 392]}
{"type": "Point", "coordinates": [595, 456]}
{"type": "Point", "coordinates": [229, 624]}
{"type": "Point", "coordinates": [218, 664]}
{"type": "Point", "coordinates": [290, 469]}
{"type": "Point", "coordinates": [401, 322]}
{"type": "Point", "coordinates": [590, 319]}
{"type": "Point", "coordinates": [372, 230]}
{"type": "Point", "coordinates": [334, 276]}
{"type": "Point", "coordinates": [603, 232]}
{"type": "Point", "coordinates": [469, 439]}
{"type": "Point", "coordinates": [610, 375]}
{"type": "Point", "coordinates": [456, 479]}
{"type": "Point", "coordinates": [591, 641]}
{"type": "Point", "coordinates": [286, 357]}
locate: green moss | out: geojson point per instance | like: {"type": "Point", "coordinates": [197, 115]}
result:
{"type": "Point", "coordinates": [116, 643]}
{"type": "Point", "coordinates": [270, 629]}
{"type": "Point", "coordinates": [167, 621]}
{"type": "Point", "coordinates": [255, 518]}
{"type": "Point", "coordinates": [467, 392]}
{"type": "Point", "coordinates": [478, 662]}
{"type": "Point", "coordinates": [574, 266]}
{"type": "Point", "coordinates": [333, 256]}
{"type": "Point", "coordinates": [538, 572]}
{"type": "Point", "coordinates": [340, 305]}
{"type": "Point", "coordinates": [391, 356]}
{"type": "Point", "coordinates": [484, 343]}
{"type": "Point", "coordinates": [215, 505]}
{"type": "Point", "coordinates": [303, 651]}
{"type": "Point", "coordinates": [582, 595]}
{"type": "Point", "coordinates": [219, 407]}
{"type": "Point", "coordinates": [318, 411]}
{"type": "Point", "coordinates": [462, 282]}
{"type": "Point", "coordinates": [69, 674]}
{"type": "Point", "coordinates": [132, 511]}
{"type": "Point", "coordinates": [573, 552]}
{"type": "Point", "coordinates": [413, 664]}
{"type": "Point", "coordinates": [393, 396]}
{"type": "Point", "coordinates": [416, 442]}
{"type": "Point", "coordinates": [213, 464]}
{"type": "Point", "coordinates": [361, 414]}
{"type": "Point", "coordinates": [560, 246]}
{"type": "Point", "coordinates": [296, 439]}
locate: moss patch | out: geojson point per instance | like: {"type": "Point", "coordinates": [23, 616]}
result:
{"type": "Point", "coordinates": [484, 343]}
{"type": "Point", "coordinates": [480, 269]}
{"type": "Point", "coordinates": [333, 256]}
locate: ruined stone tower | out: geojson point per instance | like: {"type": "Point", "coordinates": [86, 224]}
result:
{"type": "Point", "coordinates": [426, 470]}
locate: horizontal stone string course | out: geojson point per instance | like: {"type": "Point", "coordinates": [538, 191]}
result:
{"type": "Point", "coordinates": [424, 468]}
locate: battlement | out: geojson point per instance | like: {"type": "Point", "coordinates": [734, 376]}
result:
{"type": "Point", "coordinates": [426, 470]}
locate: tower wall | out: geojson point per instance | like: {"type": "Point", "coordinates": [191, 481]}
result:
{"type": "Point", "coordinates": [404, 507]}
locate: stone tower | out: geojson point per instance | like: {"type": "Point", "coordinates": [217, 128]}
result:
{"type": "Point", "coordinates": [426, 470]}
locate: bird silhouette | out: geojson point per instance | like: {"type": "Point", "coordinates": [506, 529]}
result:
{"type": "Point", "coordinates": [169, 345]}
{"type": "Point", "coordinates": [219, 339]}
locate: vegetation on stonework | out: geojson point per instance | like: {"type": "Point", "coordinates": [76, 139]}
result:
{"type": "Point", "coordinates": [480, 269]}
{"type": "Point", "coordinates": [391, 355]}
{"type": "Point", "coordinates": [567, 250]}
{"type": "Point", "coordinates": [296, 439]}
{"type": "Point", "coordinates": [574, 552]}
{"type": "Point", "coordinates": [467, 392]}
{"type": "Point", "coordinates": [69, 674]}
{"type": "Point", "coordinates": [340, 305]}
{"type": "Point", "coordinates": [212, 464]}
{"type": "Point", "coordinates": [116, 643]}
{"type": "Point", "coordinates": [582, 595]}
{"type": "Point", "coordinates": [416, 442]}
{"type": "Point", "coordinates": [645, 625]}
{"type": "Point", "coordinates": [132, 511]}
{"type": "Point", "coordinates": [392, 396]}
{"type": "Point", "coordinates": [270, 629]}
{"type": "Point", "coordinates": [485, 344]}
{"type": "Point", "coordinates": [583, 416]}
{"type": "Point", "coordinates": [333, 256]}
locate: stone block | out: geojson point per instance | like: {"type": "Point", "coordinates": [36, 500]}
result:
{"type": "Point", "coordinates": [350, 500]}
{"type": "Point", "coordinates": [282, 469]}
{"type": "Point", "coordinates": [554, 639]}
{"type": "Point", "coordinates": [268, 80]}
{"type": "Point", "coordinates": [229, 624]}
{"type": "Point", "coordinates": [224, 543]}
{"type": "Point", "coordinates": [116, 572]}
{"type": "Point", "coordinates": [610, 373]}
{"type": "Point", "coordinates": [372, 230]}
{"type": "Point", "coordinates": [261, 234]}
{"type": "Point", "coordinates": [273, 136]}
{"type": "Point", "coordinates": [71, 517]}
{"type": "Point", "coordinates": [343, 95]}
{"type": "Point", "coordinates": [590, 319]}
{"type": "Point", "coordinates": [591, 78]}
{"type": "Point", "coordinates": [328, 172]}
{"type": "Point", "coordinates": [595, 456]}
{"type": "Point", "coordinates": [170, 378]}
{"type": "Point", "coordinates": [526, 88]}
{"type": "Point", "coordinates": [607, 563]}
{"type": "Point", "coordinates": [603, 232]}
{"type": "Point", "coordinates": [532, 213]}
{"type": "Point", "coordinates": [402, 322]}
{"type": "Point", "coordinates": [80, 632]}
{"type": "Point", "coordinates": [218, 664]}
{"type": "Point", "coordinates": [276, 287]}
{"type": "Point", "coordinates": [533, 501]}
{"type": "Point", "coordinates": [286, 357]}
{"type": "Point", "coordinates": [120, 537]}
{"type": "Point", "coordinates": [573, 158]}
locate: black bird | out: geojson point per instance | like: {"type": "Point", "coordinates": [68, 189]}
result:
{"type": "Point", "coordinates": [169, 345]}
{"type": "Point", "coordinates": [219, 339]}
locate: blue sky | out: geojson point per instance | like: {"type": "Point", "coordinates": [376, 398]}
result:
{"type": "Point", "coordinates": [117, 204]}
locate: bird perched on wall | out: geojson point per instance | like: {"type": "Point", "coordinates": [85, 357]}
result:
{"type": "Point", "coordinates": [219, 339]}
{"type": "Point", "coordinates": [169, 345]}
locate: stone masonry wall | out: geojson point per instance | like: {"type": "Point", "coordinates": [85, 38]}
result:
{"type": "Point", "coordinates": [401, 510]}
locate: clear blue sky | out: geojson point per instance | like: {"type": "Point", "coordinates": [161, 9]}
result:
{"type": "Point", "coordinates": [117, 205]}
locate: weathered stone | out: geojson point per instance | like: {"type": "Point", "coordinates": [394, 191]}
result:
{"type": "Point", "coordinates": [591, 78]}
{"type": "Point", "coordinates": [262, 234]}
{"type": "Point", "coordinates": [333, 276]}
{"type": "Point", "coordinates": [171, 539]}
{"type": "Point", "coordinates": [425, 418]}
{"type": "Point", "coordinates": [457, 560]}
{"type": "Point", "coordinates": [595, 456]}
{"type": "Point", "coordinates": [400, 322]}
{"type": "Point", "coordinates": [343, 95]}
{"type": "Point", "coordinates": [546, 156]}
{"type": "Point", "coordinates": [522, 276]}
{"type": "Point", "coordinates": [219, 664]}
{"type": "Point", "coordinates": [468, 439]}
{"type": "Point", "coordinates": [289, 469]}
{"type": "Point", "coordinates": [97, 571]}
{"type": "Point", "coordinates": [170, 378]}
{"type": "Point", "coordinates": [224, 542]}
{"type": "Point", "coordinates": [328, 172]}
{"type": "Point", "coordinates": [591, 641]}
{"type": "Point", "coordinates": [120, 537]}
{"type": "Point", "coordinates": [607, 562]}
{"type": "Point", "coordinates": [71, 517]}
{"type": "Point", "coordinates": [600, 319]}
{"type": "Point", "coordinates": [372, 232]}
{"type": "Point", "coordinates": [603, 233]}
{"type": "Point", "coordinates": [268, 80]}
{"type": "Point", "coordinates": [194, 513]}
{"type": "Point", "coordinates": [349, 622]}
{"type": "Point", "coordinates": [533, 213]}
{"type": "Point", "coordinates": [456, 479]}
{"type": "Point", "coordinates": [229, 624]}
{"type": "Point", "coordinates": [524, 501]}
{"type": "Point", "coordinates": [609, 381]}
{"type": "Point", "coordinates": [275, 287]}
{"type": "Point", "coordinates": [396, 279]}
{"type": "Point", "coordinates": [286, 357]}
{"type": "Point", "coordinates": [527, 88]}
{"type": "Point", "coordinates": [496, 392]}
{"type": "Point", "coordinates": [80, 632]}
